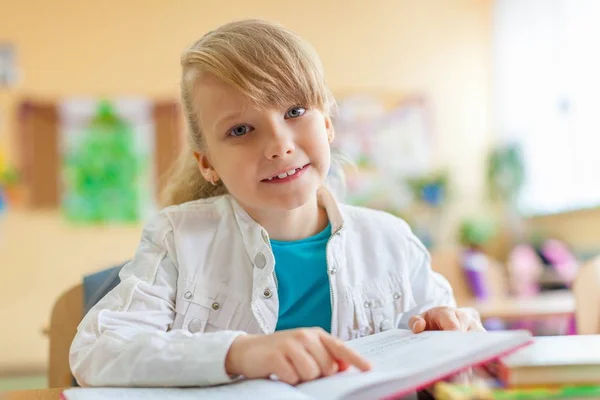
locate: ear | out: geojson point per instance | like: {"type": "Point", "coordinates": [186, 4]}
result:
{"type": "Point", "coordinates": [330, 130]}
{"type": "Point", "coordinates": [206, 168]}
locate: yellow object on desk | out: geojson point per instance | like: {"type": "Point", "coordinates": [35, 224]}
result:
{"type": "Point", "coordinates": [448, 391]}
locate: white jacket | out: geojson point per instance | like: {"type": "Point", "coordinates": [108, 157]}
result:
{"type": "Point", "coordinates": [204, 274]}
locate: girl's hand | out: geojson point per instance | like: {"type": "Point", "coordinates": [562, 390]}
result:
{"type": "Point", "coordinates": [295, 355]}
{"type": "Point", "coordinates": [445, 319]}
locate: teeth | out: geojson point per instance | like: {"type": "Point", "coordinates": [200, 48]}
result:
{"type": "Point", "coordinates": [285, 174]}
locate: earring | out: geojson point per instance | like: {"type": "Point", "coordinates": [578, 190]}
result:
{"type": "Point", "coordinates": [213, 180]}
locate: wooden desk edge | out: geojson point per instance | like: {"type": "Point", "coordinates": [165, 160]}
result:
{"type": "Point", "coordinates": [525, 316]}
{"type": "Point", "coordinates": [38, 394]}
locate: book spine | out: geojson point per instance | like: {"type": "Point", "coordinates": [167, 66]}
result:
{"type": "Point", "coordinates": [503, 374]}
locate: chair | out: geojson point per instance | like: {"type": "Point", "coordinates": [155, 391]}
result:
{"type": "Point", "coordinates": [65, 317]}
{"type": "Point", "coordinates": [67, 312]}
{"type": "Point", "coordinates": [586, 289]}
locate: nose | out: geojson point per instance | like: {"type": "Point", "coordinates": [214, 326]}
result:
{"type": "Point", "coordinates": [280, 143]}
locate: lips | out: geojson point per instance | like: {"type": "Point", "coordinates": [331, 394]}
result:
{"type": "Point", "coordinates": [285, 174]}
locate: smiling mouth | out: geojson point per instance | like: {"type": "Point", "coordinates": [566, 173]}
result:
{"type": "Point", "coordinates": [285, 175]}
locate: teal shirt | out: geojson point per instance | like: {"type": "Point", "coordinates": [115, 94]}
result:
{"type": "Point", "coordinates": [302, 282]}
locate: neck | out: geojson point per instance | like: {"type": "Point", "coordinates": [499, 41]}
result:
{"type": "Point", "coordinates": [288, 225]}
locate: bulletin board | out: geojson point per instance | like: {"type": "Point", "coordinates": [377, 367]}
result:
{"type": "Point", "coordinates": [389, 139]}
{"type": "Point", "coordinates": [47, 131]}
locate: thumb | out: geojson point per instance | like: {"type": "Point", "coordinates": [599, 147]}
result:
{"type": "Point", "coordinates": [417, 324]}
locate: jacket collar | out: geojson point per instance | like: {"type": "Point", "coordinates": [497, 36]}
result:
{"type": "Point", "coordinates": [253, 233]}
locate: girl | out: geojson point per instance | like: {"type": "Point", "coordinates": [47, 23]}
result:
{"type": "Point", "coordinates": [255, 269]}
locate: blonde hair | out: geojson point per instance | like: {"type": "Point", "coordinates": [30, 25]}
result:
{"type": "Point", "coordinates": [268, 63]}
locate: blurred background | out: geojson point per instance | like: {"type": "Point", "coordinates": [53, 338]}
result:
{"type": "Point", "coordinates": [475, 120]}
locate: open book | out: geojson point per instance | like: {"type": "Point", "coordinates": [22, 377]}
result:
{"type": "Point", "coordinates": [403, 362]}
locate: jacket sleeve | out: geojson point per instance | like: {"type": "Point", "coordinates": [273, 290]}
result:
{"type": "Point", "coordinates": [125, 339]}
{"type": "Point", "coordinates": [429, 288]}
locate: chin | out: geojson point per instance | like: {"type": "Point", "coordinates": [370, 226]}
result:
{"type": "Point", "coordinates": [287, 202]}
{"type": "Point", "coordinates": [290, 199]}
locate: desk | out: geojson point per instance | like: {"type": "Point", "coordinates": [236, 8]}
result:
{"type": "Point", "coordinates": [54, 394]}
{"type": "Point", "coordinates": [559, 303]}
{"type": "Point", "coordinates": [41, 394]}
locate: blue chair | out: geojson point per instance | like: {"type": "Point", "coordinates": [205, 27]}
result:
{"type": "Point", "coordinates": [97, 285]}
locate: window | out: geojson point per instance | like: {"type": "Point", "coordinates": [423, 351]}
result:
{"type": "Point", "coordinates": [546, 96]}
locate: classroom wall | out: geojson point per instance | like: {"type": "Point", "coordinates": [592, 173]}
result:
{"type": "Point", "coordinates": [581, 229]}
{"type": "Point", "coordinates": [69, 47]}
{"type": "Point", "coordinates": [133, 47]}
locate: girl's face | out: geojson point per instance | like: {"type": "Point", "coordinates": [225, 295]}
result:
{"type": "Point", "coordinates": [270, 159]}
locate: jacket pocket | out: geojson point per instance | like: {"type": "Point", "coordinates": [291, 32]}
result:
{"type": "Point", "coordinates": [206, 309]}
{"type": "Point", "coordinates": [384, 305]}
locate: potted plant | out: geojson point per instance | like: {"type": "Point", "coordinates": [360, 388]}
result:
{"type": "Point", "coordinates": [505, 179]}
{"type": "Point", "coordinates": [429, 193]}
{"type": "Point", "coordinates": [431, 189]}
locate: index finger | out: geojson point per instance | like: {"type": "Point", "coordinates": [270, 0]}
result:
{"type": "Point", "coordinates": [447, 320]}
{"type": "Point", "coordinates": [340, 351]}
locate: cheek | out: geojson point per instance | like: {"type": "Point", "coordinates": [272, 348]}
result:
{"type": "Point", "coordinates": [318, 146]}
{"type": "Point", "coordinates": [315, 134]}
{"type": "Point", "coordinates": [236, 168]}
{"type": "Point", "coordinates": [231, 164]}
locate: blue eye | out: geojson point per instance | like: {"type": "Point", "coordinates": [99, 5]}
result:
{"type": "Point", "coordinates": [295, 112]}
{"type": "Point", "coordinates": [240, 130]}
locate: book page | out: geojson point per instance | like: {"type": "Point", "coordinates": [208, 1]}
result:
{"type": "Point", "coordinates": [386, 349]}
{"type": "Point", "coordinates": [411, 360]}
{"type": "Point", "coordinates": [402, 350]}
{"type": "Point", "coordinates": [251, 389]}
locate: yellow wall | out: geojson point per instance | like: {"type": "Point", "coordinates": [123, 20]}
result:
{"type": "Point", "coordinates": [68, 47]}
{"type": "Point", "coordinates": [41, 256]}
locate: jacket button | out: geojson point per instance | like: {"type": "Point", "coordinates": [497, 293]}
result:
{"type": "Point", "coordinates": [195, 325]}
{"type": "Point", "coordinates": [260, 260]}
{"type": "Point", "coordinates": [385, 325]}
{"type": "Point", "coordinates": [333, 270]}
{"type": "Point", "coordinates": [367, 304]}
{"type": "Point", "coordinates": [188, 295]}
{"type": "Point", "coordinates": [216, 306]}
{"type": "Point", "coordinates": [265, 236]}
{"type": "Point", "coordinates": [267, 294]}
{"type": "Point", "coordinates": [396, 295]}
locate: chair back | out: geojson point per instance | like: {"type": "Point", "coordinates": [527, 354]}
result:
{"type": "Point", "coordinates": [586, 289]}
{"type": "Point", "coordinates": [65, 317]}
{"type": "Point", "coordinates": [67, 312]}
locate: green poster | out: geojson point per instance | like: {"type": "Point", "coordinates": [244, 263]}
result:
{"type": "Point", "coordinates": [105, 174]}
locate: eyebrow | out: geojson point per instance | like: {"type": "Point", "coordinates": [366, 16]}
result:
{"type": "Point", "coordinates": [225, 120]}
